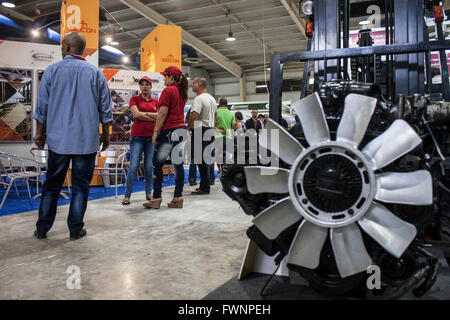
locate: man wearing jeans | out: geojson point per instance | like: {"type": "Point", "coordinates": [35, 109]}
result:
{"type": "Point", "coordinates": [202, 118]}
{"type": "Point", "coordinates": [73, 100]}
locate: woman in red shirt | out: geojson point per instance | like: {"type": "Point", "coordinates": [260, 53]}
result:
{"type": "Point", "coordinates": [169, 128]}
{"type": "Point", "coordinates": [144, 109]}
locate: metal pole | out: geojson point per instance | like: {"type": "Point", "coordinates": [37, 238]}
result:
{"type": "Point", "coordinates": [276, 84]}
{"type": "Point", "coordinates": [306, 72]}
{"type": "Point", "coordinates": [444, 66]}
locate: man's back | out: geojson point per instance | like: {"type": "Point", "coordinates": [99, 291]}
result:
{"type": "Point", "coordinates": [73, 99]}
{"type": "Point", "coordinates": [225, 118]}
{"type": "Point", "coordinates": [206, 106]}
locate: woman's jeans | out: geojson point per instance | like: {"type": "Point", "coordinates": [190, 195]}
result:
{"type": "Point", "coordinates": [137, 146]}
{"type": "Point", "coordinates": [165, 145]}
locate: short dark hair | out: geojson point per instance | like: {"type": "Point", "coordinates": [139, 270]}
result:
{"type": "Point", "coordinates": [239, 115]}
{"type": "Point", "coordinates": [223, 102]}
{"type": "Point", "coordinates": [260, 116]}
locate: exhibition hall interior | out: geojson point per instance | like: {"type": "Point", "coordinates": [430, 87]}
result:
{"type": "Point", "coordinates": [216, 150]}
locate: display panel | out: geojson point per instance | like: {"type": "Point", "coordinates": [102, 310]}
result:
{"type": "Point", "coordinates": [123, 119]}
{"type": "Point", "coordinates": [15, 105]}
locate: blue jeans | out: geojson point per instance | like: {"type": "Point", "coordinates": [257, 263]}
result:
{"type": "Point", "coordinates": [137, 146]}
{"type": "Point", "coordinates": [82, 170]}
{"type": "Point", "coordinates": [163, 150]}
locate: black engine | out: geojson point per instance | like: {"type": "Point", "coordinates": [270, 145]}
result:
{"type": "Point", "coordinates": [430, 119]}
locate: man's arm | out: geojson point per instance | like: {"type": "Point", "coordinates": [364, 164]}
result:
{"type": "Point", "coordinates": [104, 110]}
{"type": "Point", "coordinates": [40, 136]}
{"type": "Point", "coordinates": [192, 118]}
{"type": "Point", "coordinates": [40, 115]}
{"type": "Point", "coordinates": [222, 131]}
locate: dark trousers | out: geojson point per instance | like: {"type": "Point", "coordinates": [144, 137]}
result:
{"type": "Point", "coordinates": [203, 168]}
{"type": "Point", "coordinates": [163, 151]}
{"type": "Point", "coordinates": [193, 172]}
{"type": "Point", "coordinates": [82, 170]}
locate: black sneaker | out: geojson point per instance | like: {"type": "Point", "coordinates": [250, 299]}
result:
{"type": "Point", "coordinates": [40, 235]}
{"type": "Point", "coordinates": [212, 183]}
{"type": "Point", "coordinates": [77, 235]}
{"type": "Point", "coordinates": [192, 183]}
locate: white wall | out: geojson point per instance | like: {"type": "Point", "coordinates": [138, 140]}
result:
{"type": "Point", "coordinates": [229, 87]}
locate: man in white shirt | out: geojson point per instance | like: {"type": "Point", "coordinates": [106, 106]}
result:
{"type": "Point", "coordinates": [202, 118]}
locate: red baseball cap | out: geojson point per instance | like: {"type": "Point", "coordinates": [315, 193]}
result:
{"type": "Point", "coordinates": [145, 79]}
{"type": "Point", "coordinates": [172, 70]}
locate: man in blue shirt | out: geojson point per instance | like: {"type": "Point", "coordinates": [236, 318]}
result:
{"type": "Point", "coordinates": [73, 100]}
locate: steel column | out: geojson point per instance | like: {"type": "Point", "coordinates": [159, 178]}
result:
{"type": "Point", "coordinates": [276, 84]}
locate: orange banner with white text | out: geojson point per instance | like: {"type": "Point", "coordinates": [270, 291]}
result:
{"type": "Point", "coordinates": [81, 16]}
{"type": "Point", "coordinates": [161, 48]}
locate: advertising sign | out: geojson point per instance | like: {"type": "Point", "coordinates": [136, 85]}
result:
{"type": "Point", "coordinates": [161, 48]}
{"type": "Point", "coordinates": [82, 16]}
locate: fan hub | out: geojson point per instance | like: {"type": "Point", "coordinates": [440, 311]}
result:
{"type": "Point", "coordinates": [331, 184]}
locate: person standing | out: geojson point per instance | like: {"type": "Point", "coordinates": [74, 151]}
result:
{"type": "Point", "coordinates": [239, 121]}
{"type": "Point", "coordinates": [192, 166]}
{"type": "Point", "coordinates": [144, 109]}
{"type": "Point", "coordinates": [266, 118]}
{"type": "Point", "coordinates": [254, 122]}
{"type": "Point", "coordinates": [202, 118]}
{"type": "Point", "coordinates": [170, 118]}
{"type": "Point", "coordinates": [225, 124]}
{"type": "Point", "coordinates": [73, 100]}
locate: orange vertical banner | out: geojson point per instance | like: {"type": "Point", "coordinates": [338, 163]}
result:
{"type": "Point", "coordinates": [161, 48]}
{"type": "Point", "coordinates": [82, 16]}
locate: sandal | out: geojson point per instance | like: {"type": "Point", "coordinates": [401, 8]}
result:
{"type": "Point", "coordinates": [126, 201]}
{"type": "Point", "coordinates": [176, 203]}
{"type": "Point", "coordinates": [153, 204]}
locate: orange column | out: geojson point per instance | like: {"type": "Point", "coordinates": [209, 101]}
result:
{"type": "Point", "coordinates": [161, 48]}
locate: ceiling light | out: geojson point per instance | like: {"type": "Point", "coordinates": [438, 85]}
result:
{"type": "Point", "coordinates": [35, 33]}
{"type": "Point", "coordinates": [230, 34]}
{"type": "Point", "coordinates": [307, 7]}
{"type": "Point", "coordinates": [114, 43]}
{"type": "Point", "coordinates": [108, 39]}
{"type": "Point", "coordinates": [125, 59]}
{"type": "Point", "coordinates": [192, 60]}
{"type": "Point", "coordinates": [268, 69]}
{"type": "Point", "coordinates": [230, 37]}
{"type": "Point", "coordinates": [364, 22]}
{"type": "Point", "coordinates": [113, 50]}
{"type": "Point", "coordinates": [8, 4]}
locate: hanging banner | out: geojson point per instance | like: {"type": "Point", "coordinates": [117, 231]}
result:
{"type": "Point", "coordinates": [161, 48]}
{"type": "Point", "coordinates": [82, 16]}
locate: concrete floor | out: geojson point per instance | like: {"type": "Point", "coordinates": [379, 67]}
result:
{"type": "Point", "coordinates": [129, 252]}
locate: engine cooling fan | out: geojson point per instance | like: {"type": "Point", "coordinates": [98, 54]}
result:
{"type": "Point", "coordinates": [335, 189]}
